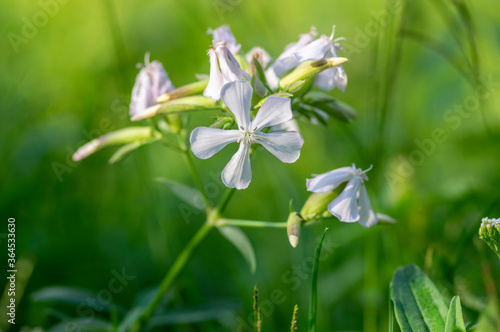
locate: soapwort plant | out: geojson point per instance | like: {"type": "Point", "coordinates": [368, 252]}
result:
{"type": "Point", "coordinates": [258, 102]}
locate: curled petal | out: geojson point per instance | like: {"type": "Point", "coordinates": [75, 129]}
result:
{"type": "Point", "coordinates": [205, 142]}
{"type": "Point", "coordinates": [229, 66]}
{"type": "Point", "coordinates": [328, 181]}
{"type": "Point", "coordinates": [274, 111]}
{"type": "Point", "coordinates": [345, 206]}
{"type": "Point", "coordinates": [238, 98]}
{"type": "Point", "coordinates": [216, 80]}
{"type": "Point", "coordinates": [238, 173]}
{"type": "Point", "coordinates": [284, 145]}
{"type": "Point", "coordinates": [367, 217]}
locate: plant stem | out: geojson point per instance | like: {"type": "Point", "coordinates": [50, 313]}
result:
{"type": "Point", "coordinates": [250, 223]}
{"type": "Point", "coordinates": [225, 200]}
{"type": "Point", "coordinates": [178, 266]}
{"type": "Point", "coordinates": [196, 177]}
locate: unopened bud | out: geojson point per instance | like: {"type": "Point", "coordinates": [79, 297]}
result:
{"type": "Point", "coordinates": [122, 136]}
{"type": "Point", "coordinates": [489, 232]}
{"type": "Point", "coordinates": [223, 123]}
{"type": "Point", "coordinates": [293, 227]}
{"type": "Point", "coordinates": [316, 205]}
{"type": "Point", "coordinates": [184, 91]}
{"type": "Point", "coordinates": [185, 104]}
{"type": "Point", "coordinates": [307, 70]}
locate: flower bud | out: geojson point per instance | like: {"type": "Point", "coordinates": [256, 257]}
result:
{"type": "Point", "coordinates": [184, 91]}
{"type": "Point", "coordinates": [293, 227]}
{"type": "Point", "coordinates": [489, 232]}
{"type": "Point", "coordinates": [122, 136]}
{"type": "Point", "coordinates": [185, 104]}
{"type": "Point", "coordinates": [316, 205]}
{"type": "Point", "coordinates": [223, 123]}
{"type": "Point", "coordinates": [308, 70]}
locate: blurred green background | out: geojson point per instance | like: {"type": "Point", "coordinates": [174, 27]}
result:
{"type": "Point", "coordinates": [70, 79]}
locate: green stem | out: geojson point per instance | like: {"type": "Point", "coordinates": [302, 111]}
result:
{"type": "Point", "coordinates": [178, 266]}
{"type": "Point", "coordinates": [250, 223]}
{"type": "Point", "coordinates": [196, 177]}
{"type": "Point", "coordinates": [225, 200]}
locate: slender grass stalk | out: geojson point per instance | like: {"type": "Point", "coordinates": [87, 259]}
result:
{"type": "Point", "coordinates": [293, 326]}
{"type": "Point", "coordinates": [257, 319]}
{"type": "Point", "coordinates": [391, 315]}
{"type": "Point", "coordinates": [314, 286]}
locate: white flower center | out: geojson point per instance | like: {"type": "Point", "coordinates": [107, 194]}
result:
{"type": "Point", "coordinates": [246, 136]}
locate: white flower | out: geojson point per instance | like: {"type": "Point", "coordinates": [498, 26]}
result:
{"type": "Point", "coordinates": [224, 68]}
{"type": "Point", "coordinates": [151, 82]}
{"type": "Point", "coordinates": [285, 145]}
{"type": "Point", "coordinates": [325, 47]}
{"type": "Point", "coordinates": [352, 204]}
{"type": "Point", "coordinates": [287, 60]}
{"type": "Point", "coordinates": [223, 33]}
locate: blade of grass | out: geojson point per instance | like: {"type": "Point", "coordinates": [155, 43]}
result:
{"type": "Point", "coordinates": [314, 287]}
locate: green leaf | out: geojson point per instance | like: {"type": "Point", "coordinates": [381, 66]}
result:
{"type": "Point", "coordinates": [314, 287]}
{"type": "Point", "coordinates": [455, 320]}
{"type": "Point", "coordinates": [187, 194]}
{"type": "Point", "coordinates": [242, 243]}
{"type": "Point", "coordinates": [128, 149]}
{"type": "Point", "coordinates": [418, 304]}
{"type": "Point", "coordinates": [69, 295]}
{"type": "Point", "coordinates": [260, 73]}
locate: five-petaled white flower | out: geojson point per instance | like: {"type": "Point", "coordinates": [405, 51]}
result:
{"type": "Point", "coordinates": [285, 145]}
{"type": "Point", "coordinates": [224, 34]}
{"type": "Point", "coordinates": [224, 68]}
{"type": "Point", "coordinates": [352, 204]}
{"type": "Point", "coordinates": [151, 82]}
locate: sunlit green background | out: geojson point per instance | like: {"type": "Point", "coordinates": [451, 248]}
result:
{"type": "Point", "coordinates": [71, 80]}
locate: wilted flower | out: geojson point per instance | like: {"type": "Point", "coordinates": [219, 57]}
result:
{"type": "Point", "coordinates": [352, 204]}
{"type": "Point", "coordinates": [151, 82]}
{"type": "Point", "coordinates": [489, 232]}
{"type": "Point", "coordinates": [223, 34]}
{"type": "Point", "coordinates": [224, 68]}
{"type": "Point", "coordinates": [285, 145]}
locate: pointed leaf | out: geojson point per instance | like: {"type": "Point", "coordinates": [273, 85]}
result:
{"type": "Point", "coordinates": [128, 149]}
{"type": "Point", "coordinates": [418, 304]}
{"type": "Point", "coordinates": [187, 194]}
{"type": "Point", "coordinates": [455, 320]}
{"type": "Point", "coordinates": [314, 287]}
{"type": "Point", "coordinates": [242, 243]}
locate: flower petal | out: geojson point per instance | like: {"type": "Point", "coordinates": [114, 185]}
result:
{"type": "Point", "coordinates": [367, 217]}
{"type": "Point", "coordinates": [284, 145]}
{"type": "Point", "coordinates": [238, 173]}
{"type": "Point", "coordinates": [229, 66]}
{"type": "Point", "coordinates": [315, 50]}
{"type": "Point", "coordinates": [223, 33]}
{"type": "Point", "coordinates": [205, 142]}
{"type": "Point", "coordinates": [216, 80]}
{"type": "Point", "coordinates": [328, 181]}
{"type": "Point", "coordinates": [331, 78]}
{"type": "Point", "coordinates": [345, 206]}
{"type": "Point", "coordinates": [238, 98]}
{"type": "Point", "coordinates": [275, 110]}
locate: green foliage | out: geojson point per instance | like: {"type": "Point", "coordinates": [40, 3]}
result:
{"type": "Point", "coordinates": [455, 320]}
{"type": "Point", "coordinates": [242, 243]}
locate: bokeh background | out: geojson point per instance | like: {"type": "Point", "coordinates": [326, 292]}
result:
{"type": "Point", "coordinates": [70, 79]}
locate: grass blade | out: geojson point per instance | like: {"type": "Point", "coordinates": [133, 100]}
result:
{"type": "Point", "coordinates": [314, 294]}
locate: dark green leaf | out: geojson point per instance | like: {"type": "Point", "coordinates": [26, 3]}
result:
{"type": "Point", "coordinates": [185, 193]}
{"type": "Point", "coordinates": [242, 243]}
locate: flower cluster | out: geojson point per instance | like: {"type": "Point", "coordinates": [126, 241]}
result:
{"type": "Point", "coordinates": [489, 232]}
{"type": "Point", "coordinates": [261, 99]}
